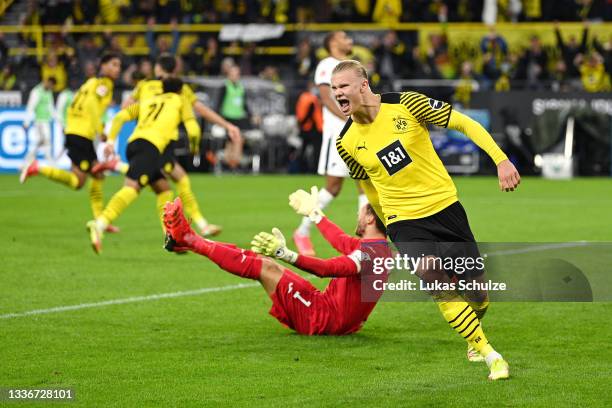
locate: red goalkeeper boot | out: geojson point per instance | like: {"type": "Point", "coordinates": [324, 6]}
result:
{"type": "Point", "coordinates": [179, 235]}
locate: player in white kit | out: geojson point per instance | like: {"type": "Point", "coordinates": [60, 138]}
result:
{"type": "Point", "coordinates": [339, 46]}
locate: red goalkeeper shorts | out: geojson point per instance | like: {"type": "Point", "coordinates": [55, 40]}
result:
{"type": "Point", "coordinates": [297, 304]}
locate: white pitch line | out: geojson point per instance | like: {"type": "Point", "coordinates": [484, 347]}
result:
{"type": "Point", "coordinates": [134, 299]}
{"type": "Point", "coordinates": [201, 291]}
{"type": "Point", "coordinates": [537, 248]}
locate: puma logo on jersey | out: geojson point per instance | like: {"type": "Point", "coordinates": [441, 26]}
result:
{"type": "Point", "coordinates": [362, 147]}
{"type": "Point", "coordinates": [435, 105]}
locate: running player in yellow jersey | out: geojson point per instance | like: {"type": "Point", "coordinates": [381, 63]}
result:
{"type": "Point", "coordinates": [83, 125]}
{"type": "Point", "coordinates": [385, 143]}
{"type": "Point", "coordinates": [158, 121]}
{"type": "Point", "coordinates": [165, 67]}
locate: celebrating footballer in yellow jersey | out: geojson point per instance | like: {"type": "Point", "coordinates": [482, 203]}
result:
{"type": "Point", "coordinates": [165, 67]}
{"type": "Point", "coordinates": [158, 121]}
{"type": "Point", "coordinates": [85, 113]}
{"type": "Point", "coordinates": [83, 125]}
{"type": "Point", "coordinates": [396, 154]}
{"type": "Point", "coordinates": [386, 143]}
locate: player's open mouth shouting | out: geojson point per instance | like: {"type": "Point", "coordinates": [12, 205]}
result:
{"type": "Point", "coordinates": [345, 105]}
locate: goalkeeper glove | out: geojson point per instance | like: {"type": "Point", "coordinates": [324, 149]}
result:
{"type": "Point", "coordinates": [273, 245]}
{"type": "Point", "coordinates": [307, 204]}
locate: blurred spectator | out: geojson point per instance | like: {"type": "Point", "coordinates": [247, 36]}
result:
{"type": "Point", "coordinates": [305, 60]}
{"type": "Point", "coordinates": [167, 11]}
{"type": "Point", "coordinates": [390, 56]}
{"type": "Point", "coordinates": [275, 11]}
{"type": "Point", "coordinates": [363, 10]}
{"type": "Point", "coordinates": [205, 58]}
{"type": "Point", "coordinates": [560, 77]}
{"type": "Point", "coordinates": [605, 50]}
{"type": "Point", "coordinates": [89, 70]}
{"type": "Point", "coordinates": [439, 56]}
{"type": "Point", "coordinates": [422, 66]}
{"type": "Point", "coordinates": [465, 86]}
{"type": "Point", "coordinates": [161, 45]}
{"type": "Point", "coordinates": [111, 11]}
{"type": "Point", "coordinates": [494, 50]}
{"type": "Point", "coordinates": [233, 107]}
{"type": "Point", "coordinates": [343, 10]}
{"type": "Point", "coordinates": [503, 82]}
{"type": "Point", "coordinates": [387, 12]}
{"type": "Point", "coordinates": [466, 10]}
{"type": "Point", "coordinates": [593, 72]}
{"type": "Point", "coordinates": [270, 73]}
{"type": "Point", "coordinates": [532, 66]}
{"type": "Point", "coordinates": [30, 17]}
{"type": "Point", "coordinates": [8, 79]}
{"type": "Point", "coordinates": [570, 49]}
{"type": "Point", "coordinates": [55, 12]}
{"type": "Point", "coordinates": [532, 10]}
{"type": "Point", "coordinates": [53, 68]}
{"type": "Point", "coordinates": [247, 61]}
{"type": "Point", "coordinates": [304, 11]}
{"type": "Point", "coordinates": [146, 68]}
{"type": "Point", "coordinates": [494, 11]}
{"type": "Point", "coordinates": [85, 11]}
{"type": "Point", "coordinates": [86, 48]}
{"type": "Point", "coordinates": [310, 121]}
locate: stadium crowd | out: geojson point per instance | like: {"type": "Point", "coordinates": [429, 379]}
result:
{"type": "Point", "coordinates": [284, 11]}
{"type": "Point", "coordinates": [570, 64]}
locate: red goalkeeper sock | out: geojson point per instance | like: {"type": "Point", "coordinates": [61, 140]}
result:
{"type": "Point", "coordinates": [247, 252]}
{"type": "Point", "coordinates": [236, 261]}
{"type": "Point", "coordinates": [231, 259]}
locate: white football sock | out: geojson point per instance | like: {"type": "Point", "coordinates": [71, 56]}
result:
{"type": "Point", "coordinates": [325, 197]}
{"type": "Point", "coordinates": [492, 356]}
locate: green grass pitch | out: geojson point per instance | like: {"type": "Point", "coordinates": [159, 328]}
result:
{"type": "Point", "coordinates": [222, 348]}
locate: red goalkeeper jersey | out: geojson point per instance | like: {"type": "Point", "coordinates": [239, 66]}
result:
{"type": "Point", "coordinates": [352, 276]}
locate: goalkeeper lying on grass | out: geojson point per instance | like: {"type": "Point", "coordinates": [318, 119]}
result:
{"type": "Point", "coordinates": [296, 303]}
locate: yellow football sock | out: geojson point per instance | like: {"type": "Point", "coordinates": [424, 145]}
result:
{"type": "Point", "coordinates": [162, 199]}
{"type": "Point", "coordinates": [183, 188]}
{"type": "Point", "coordinates": [464, 321]}
{"type": "Point", "coordinates": [96, 196]}
{"type": "Point", "coordinates": [480, 308]}
{"type": "Point", "coordinates": [118, 203]}
{"type": "Point", "coordinates": [64, 177]}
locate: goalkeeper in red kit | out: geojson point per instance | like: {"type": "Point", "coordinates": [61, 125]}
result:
{"type": "Point", "coordinates": [296, 303]}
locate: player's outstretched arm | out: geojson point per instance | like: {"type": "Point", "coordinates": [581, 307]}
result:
{"type": "Point", "coordinates": [307, 204]}
{"type": "Point", "coordinates": [274, 245]}
{"type": "Point", "coordinates": [233, 132]}
{"type": "Point", "coordinates": [509, 177]}
{"type": "Point", "coordinates": [194, 132]}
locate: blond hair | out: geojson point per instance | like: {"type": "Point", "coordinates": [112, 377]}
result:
{"type": "Point", "coordinates": [351, 64]}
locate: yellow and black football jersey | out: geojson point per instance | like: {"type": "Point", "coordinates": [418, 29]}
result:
{"type": "Point", "coordinates": [153, 87]}
{"type": "Point", "coordinates": [397, 155]}
{"type": "Point", "coordinates": [85, 113]}
{"type": "Point", "coordinates": [146, 89]}
{"type": "Point", "coordinates": [158, 119]}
